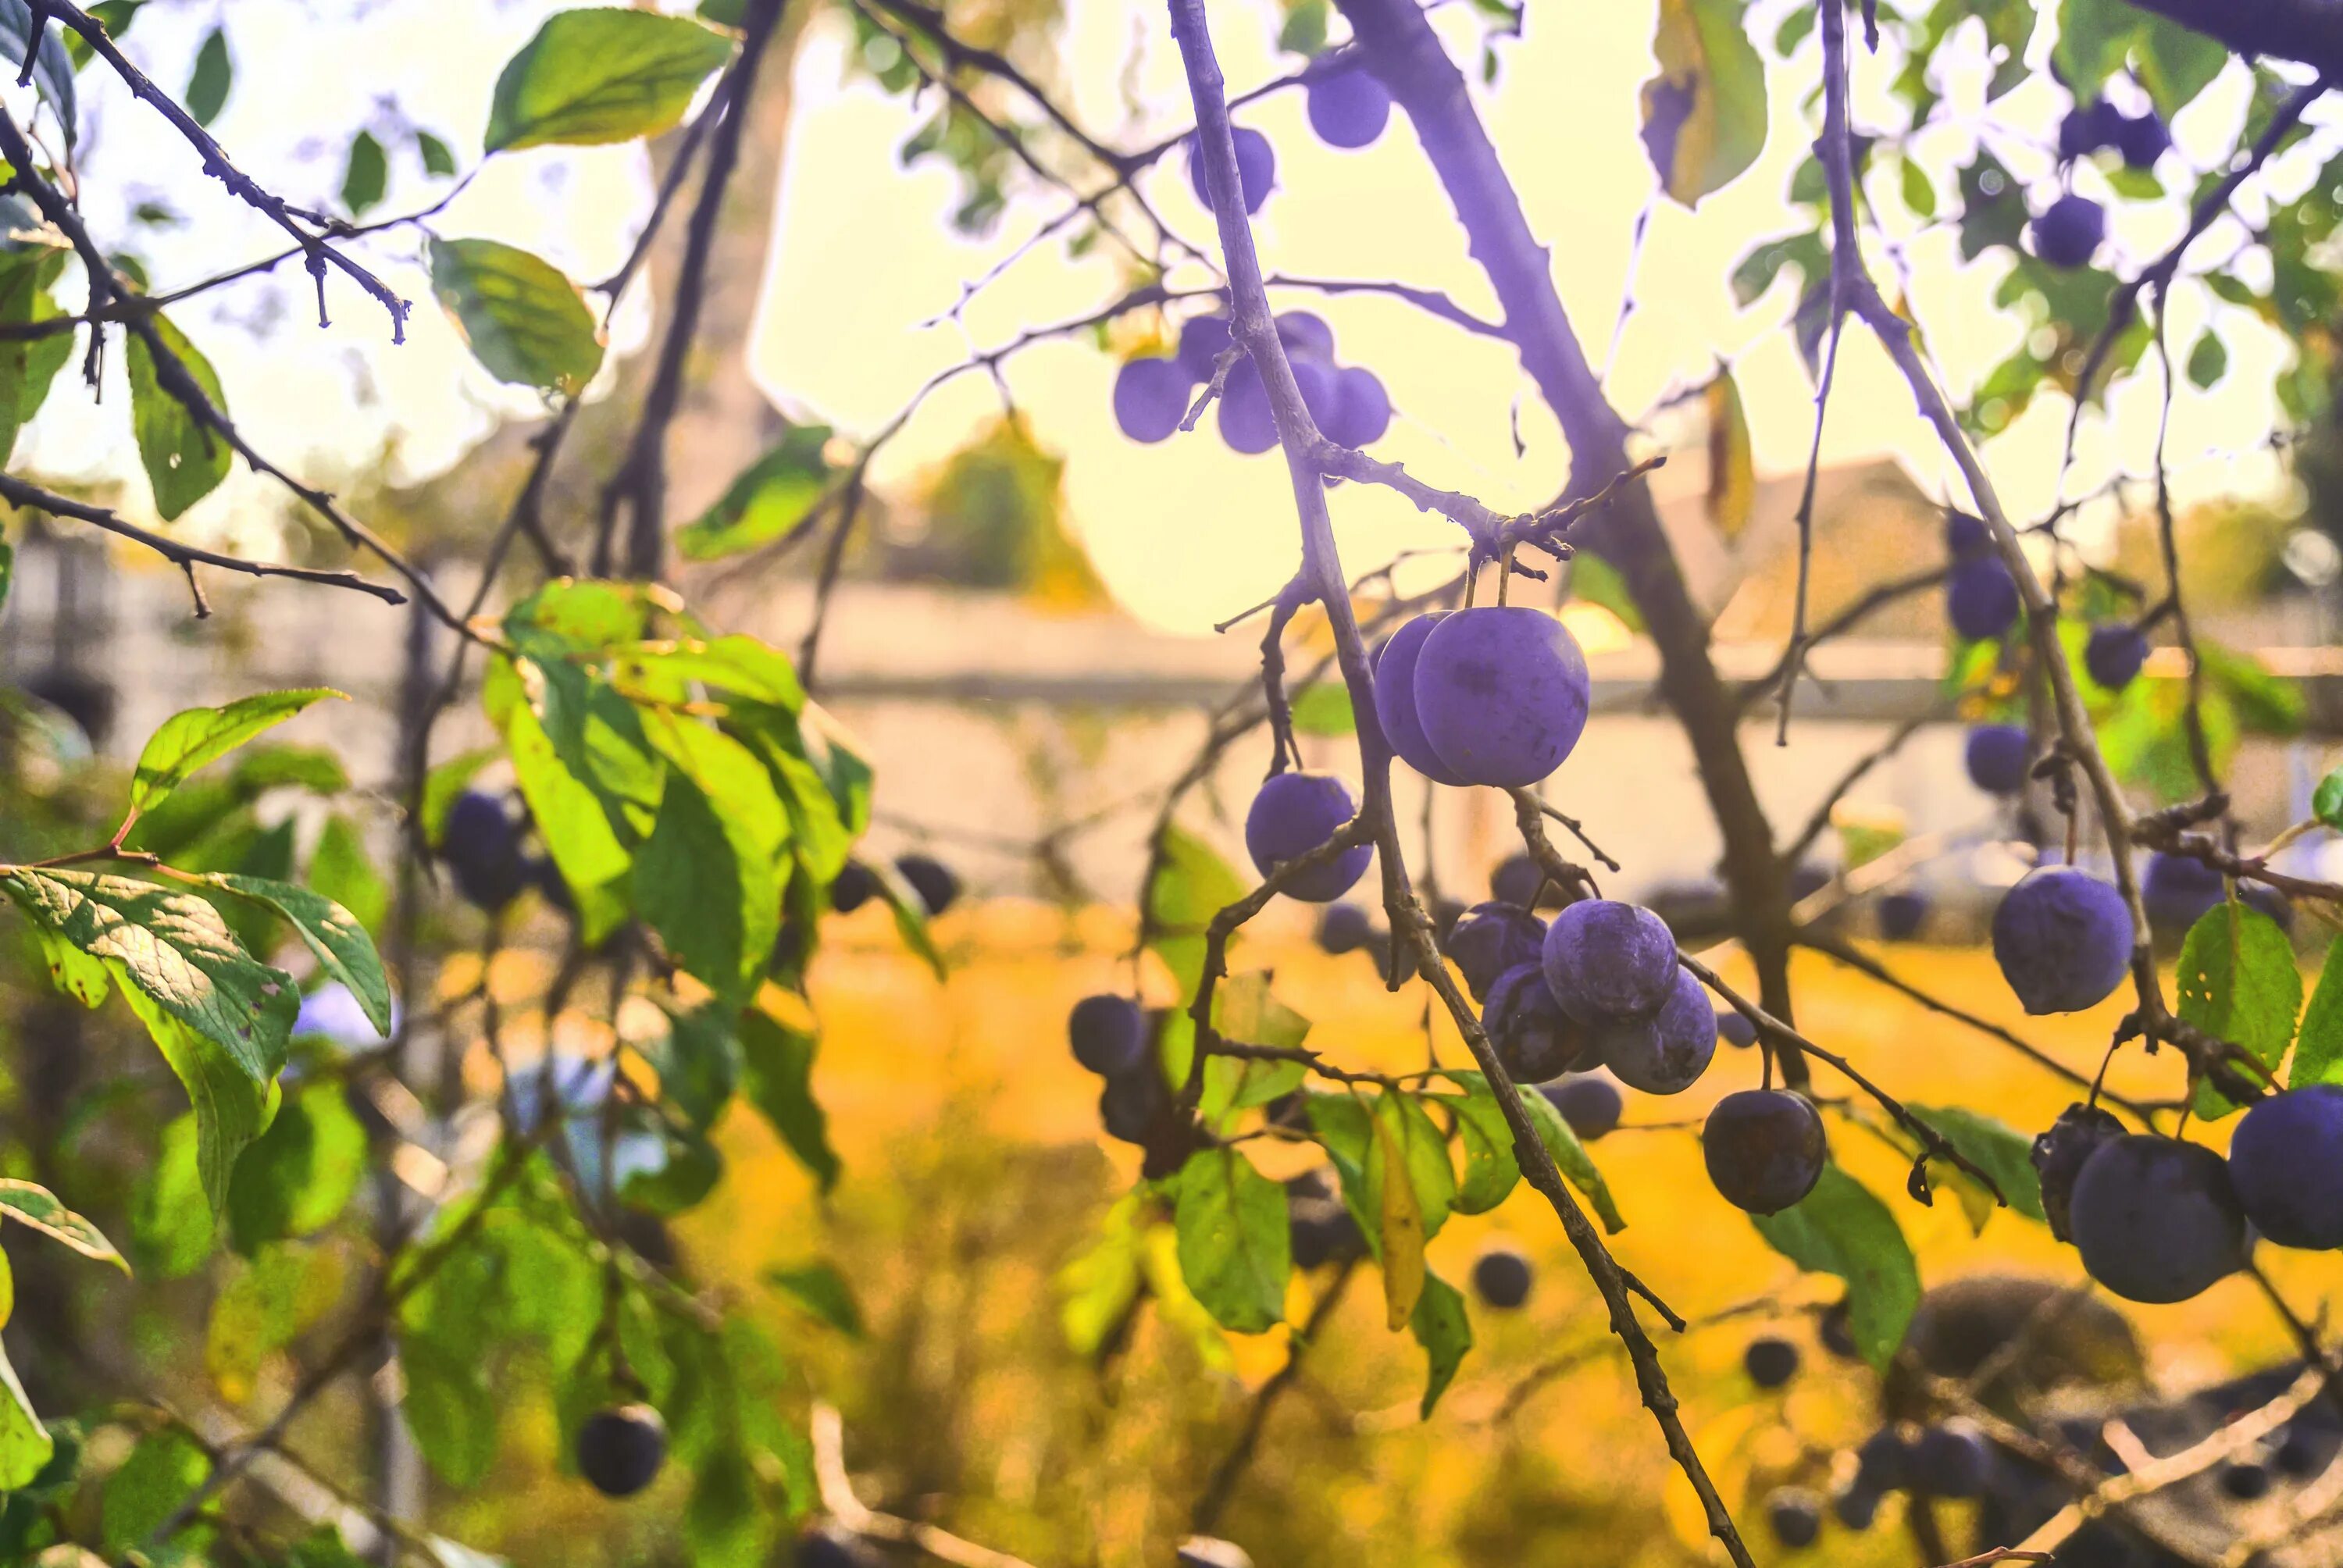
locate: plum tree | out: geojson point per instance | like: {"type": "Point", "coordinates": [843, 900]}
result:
{"type": "Point", "coordinates": [1347, 105]}
{"type": "Point", "coordinates": [481, 845]}
{"type": "Point", "coordinates": [2069, 231]}
{"type": "Point", "coordinates": [1608, 960]}
{"type": "Point", "coordinates": [1502, 691]}
{"type": "Point", "coordinates": [1533, 1037]}
{"type": "Point", "coordinates": [1491, 938]}
{"type": "Point", "coordinates": [1770, 1362]}
{"type": "Point", "coordinates": [1764, 1148]}
{"type": "Point", "coordinates": [1394, 674]}
{"type": "Point", "coordinates": [1981, 600]}
{"type": "Point", "coordinates": [1951, 1459]}
{"type": "Point", "coordinates": [1346, 928]}
{"type": "Point", "coordinates": [1151, 398]}
{"type": "Point", "coordinates": [1108, 1033]}
{"type": "Point", "coordinates": [1796, 1516]}
{"type": "Point", "coordinates": [1663, 1052]}
{"type": "Point", "coordinates": [621, 1451]}
{"type": "Point", "coordinates": [1133, 1100]}
{"type": "Point", "coordinates": [1256, 167]}
{"type": "Point", "coordinates": [1997, 757]}
{"type": "Point", "coordinates": [1966, 535]}
{"type": "Point", "coordinates": [2059, 1154]}
{"type": "Point", "coordinates": [936, 884]}
{"type": "Point", "coordinates": [1501, 1277]}
{"type": "Point", "coordinates": [2156, 1219]}
{"type": "Point", "coordinates": [2247, 1481]}
{"type": "Point", "coordinates": [1883, 1462]}
{"type": "Point", "coordinates": [1294, 813]}
{"type": "Point", "coordinates": [832, 1545]}
{"type": "Point", "coordinates": [1247, 422]}
{"type": "Point", "coordinates": [1590, 1106]}
{"type": "Point", "coordinates": [2114, 653]}
{"type": "Point", "coordinates": [1855, 1506]}
{"type": "Point", "coordinates": [2285, 1165]}
{"type": "Point", "coordinates": [2063, 938]}
{"type": "Point", "coordinates": [2088, 128]}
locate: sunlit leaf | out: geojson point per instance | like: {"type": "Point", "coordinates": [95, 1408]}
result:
{"type": "Point", "coordinates": [602, 75]}
{"type": "Point", "coordinates": [1704, 113]}
{"type": "Point", "coordinates": [526, 323]}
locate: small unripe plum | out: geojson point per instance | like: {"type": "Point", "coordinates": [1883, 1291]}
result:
{"type": "Point", "coordinates": [620, 1451]}
{"type": "Point", "coordinates": [1855, 1506]}
{"type": "Point", "coordinates": [1502, 691]}
{"type": "Point", "coordinates": [1951, 1460]}
{"type": "Point", "coordinates": [1210, 1552]}
{"type": "Point", "coordinates": [854, 886]}
{"type": "Point", "coordinates": [2113, 654]}
{"type": "Point", "coordinates": [1534, 1039]}
{"type": "Point", "coordinates": [2063, 939]}
{"type": "Point", "coordinates": [1256, 167]}
{"type": "Point", "coordinates": [1323, 1229]}
{"type": "Point", "coordinates": [2156, 1219]}
{"type": "Point", "coordinates": [936, 884]}
{"type": "Point", "coordinates": [1902, 914]}
{"type": "Point", "coordinates": [1966, 535]}
{"type": "Point", "coordinates": [1295, 813]}
{"type": "Point", "coordinates": [1590, 1107]}
{"type": "Point", "coordinates": [1347, 108]}
{"type": "Point", "coordinates": [2060, 1153]}
{"type": "Point", "coordinates": [1491, 938]}
{"type": "Point", "coordinates": [480, 841]}
{"type": "Point", "coordinates": [1667, 1052]}
{"type": "Point", "coordinates": [1396, 699]}
{"type": "Point", "coordinates": [1201, 342]}
{"type": "Point", "coordinates": [2177, 890]}
{"type": "Point", "coordinates": [2285, 1162]}
{"type": "Point", "coordinates": [1997, 756]}
{"type": "Point", "coordinates": [1305, 335]}
{"type": "Point", "coordinates": [1108, 1033]}
{"type": "Point", "coordinates": [1501, 1277]}
{"type": "Point", "coordinates": [1151, 398]}
{"type": "Point", "coordinates": [1361, 410]}
{"type": "Point", "coordinates": [2069, 231]}
{"type": "Point", "coordinates": [1981, 600]}
{"type": "Point", "coordinates": [1605, 959]}
{"type": "Point", "coordinates": [1769, 1362]}
{"type": "Point", "coordinates": [1764, 1148]}
{"type": "Point", "coordinates": [1796, 1515]}
{"type": "Point", "coordinates": [1735, 1028]}
{"type": "Point", "coordinates": [2142, 140]}
{"type": "Point", "coordinates": [1345, 928]}
{"type": "Point", "coordinates": [1132, 1101]}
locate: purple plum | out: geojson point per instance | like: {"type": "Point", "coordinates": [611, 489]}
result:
{"type": "Point", "coordinates": [1665, 1053]}
{"type": "Point", "coordinates": [1396, 698]}
{"type": "Point", "coordinates": [1151, 398]}
{"type": "Point", "coordinates": [1607, 960]}
{"type": "Point", "coordinates": [1295, 813]}
{"type": "Point", "coordinates": [1347, 107]}
{"type": "Point", "coordinates": [2063, 939]}
{"type": "Point", "coordinates": [1502, 691]}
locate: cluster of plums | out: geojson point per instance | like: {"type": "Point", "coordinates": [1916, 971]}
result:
{"type": "Point", "coordinates": [1113, 1037]}
{"type": "Point", "coordinates": [937, 885]}
{"type": "Point", "coordinates": [1347, 402]}
{"type": "Point", "coordinates": [2139, 139]}
{"type": "Point", "coordinates": [1496, 695]}
{"type": "Point", "coordinates": [1980, 596]}
{"type": "Point", "coordinates": [2159, 1220]}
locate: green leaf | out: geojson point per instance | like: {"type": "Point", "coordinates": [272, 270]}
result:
{"type": "Point", "coordinates": [1442, 1327]}
{"type": "Point", "coordinates": [596, 75]}
{"type": "Point", "coordinates": [185, 458]}
{"type": "Point", "coordinates": [220, 1017]}
{"type": "Point", "coordinates": [911, 917]}
{"type": "Point", "coordinates": [438, 157]}
{"type": "Point", "coordinates": [1839, 1228]}
{"type": "Point", "coordinates": [1324, 709]}
{"type": "Point", "coordinates": [777, 1077]}
{"type": "Point", "coordinates": [299, 1175]}
{"type": "Point", "coordinates": [333, 935]}
{"type": "Point", "coordinates": [1919, 195]}
{"type": "Point", "coordinates": [29, 367]}
{"type": "Point", "coordinates": [2176, 63]}
{"type": "Point", "coordinates": [1598, 582]}
{"type": "Point", "coordinates": [193, 739]}
{"type": "Point", "coordinates": [366, 177]}
{"type": "Point", "coordinates": [1490, 1172]}
{"type": "Point", "coordinates": [526, 324]}
{"type": "Point", "coordinates": [2208, 361]}
{"type": "Point", "coordinates": [341, 872]}
{"type": "Point", "coordinates": [449, 1409]}
{"type": "Point", "coordinates": [1098, 1286]}
{"type": "Point", "coordinates": [567, 812]}
{"type": "Point", "coordinates": [2326, 801]}
{"type": "Point", "coordinates": [39, 1208]}
{"type": "Point", "coordinates": [1570, 1158]}
{"type": "Point", "coordinates": [25, 1445]}
{"type": "Point", "coordinates": [171, 1225]}
{"type": "Point", "coordinates": [823, 1292]}
{"type": "Point", "coordinates": [2094, 35]}
{"type": "Point", "coordinates": [2237, 980]}
{"type": "Point", "coordinates": [1235, 1240]}
{"type": "Point", "coordinates": [53, 69]}
{"type": "Point", "coordinates": [2318, 1048]}
{"type": "Point", "coordinates": [262, 1306]}
{"type": "Point", "coordinates": [1399, 1226]}
{"type": "Point", "coordinates": [770, 496]}
{"type": "Point", "coordinates": [148, 1487]}
{"type": "Point", "coordinates": [208, 87]}
{"type": "Point", "coordinates": [1999, 1149]}
{"type": "Point", "coordinates": [707, 885]}
{"type": "Point", "coordinates": [1704, 113]}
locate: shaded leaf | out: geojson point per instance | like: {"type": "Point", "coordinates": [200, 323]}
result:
{"type": "Point", "coordinates": [214, 72]}
{"type": "Point", "coordinates": [777, 1077]}
{"type": "Point", "coordinates": [823, 1292]}
{"type": "Point", "coordinates": [1732, 472]}
{"type": "Point", "coordinates": [2318, 1048]}
{"type": "Point", "coordinates": [1839, 1228]}
{"type": "Point", "coordinates": [770, 496]}
{"type": "Point", "coordinates": [185, 458]}
{"type": "Point", "coordinates": [341, 946]}
{"type": "Point", "coordinates": [525, 322]}
{"type": "Point", "coordinates": [301, 1173]}
{"type": "Point", "coordinates": [366, 174]}
{"type": "Point", "coordinates": [1442, 1327]}
{"type": "Point", "coordinates": [2237, 982]}
{"type": "Point", "coordinates": [1234, 1240]}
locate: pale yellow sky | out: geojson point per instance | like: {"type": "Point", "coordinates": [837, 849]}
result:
{"type": "Point", "coordinates": [1185, 532]}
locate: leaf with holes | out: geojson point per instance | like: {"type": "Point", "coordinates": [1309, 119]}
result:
{"type": "Point", "coordinates": [195, 737]}
{"type": "Point", "coordinates": [527, 323]}
{"type": "Point", "coordinates": [594, 76]}
{"type": "Point", "coordinates": [2238, 982]}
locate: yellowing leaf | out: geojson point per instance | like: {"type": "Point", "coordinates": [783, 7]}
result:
{"type": "Point", "coordinates": [1401, 1226]}
{"type": "Point", "coordinates": [1732, 472]}
{"type": "Point", "coordinates": [1704, 113]}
